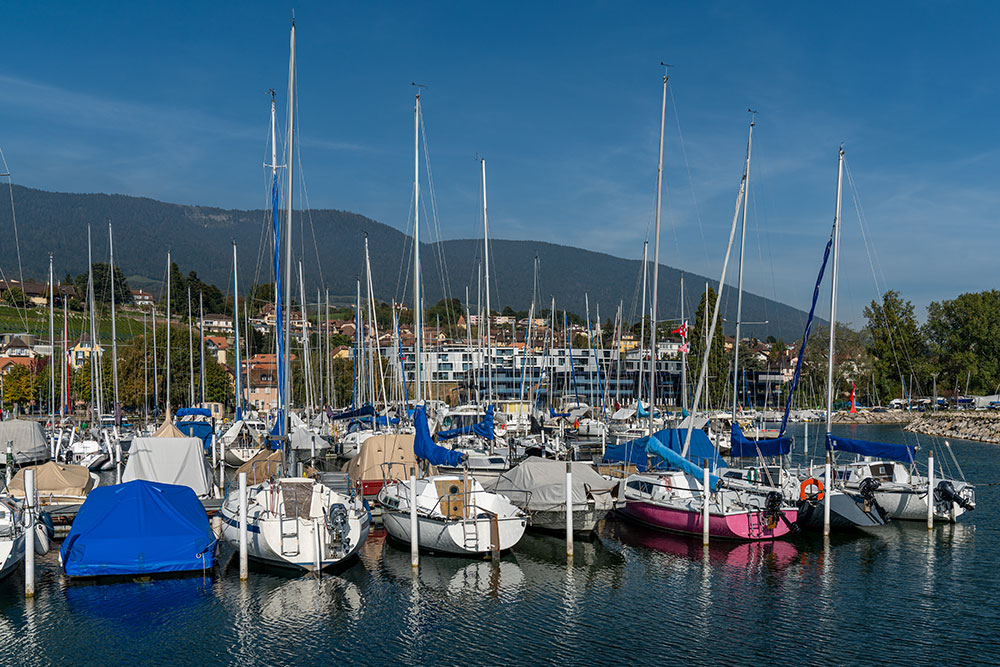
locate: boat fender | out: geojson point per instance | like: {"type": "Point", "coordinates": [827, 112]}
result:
{"type": "Point", "coordinates": [812, 490]}
{"type": "Point", "coordinates": [46, 520]}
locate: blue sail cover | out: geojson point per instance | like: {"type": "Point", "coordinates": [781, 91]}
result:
{"type": "Point", "coordinates": [657, 448]}
{"type": "Point", "coordinates": [427, 449]}
{"type": "Point", "coordinates": [483, 429]}
{"type": "Point", "coordinates": [193, 412]}
{"type": "Point", "coordinates": [365, 410]}
{"type": "Point", "coordinates": [554, 414]}
{"type": "Point", "coordinates": [139, 527]}
{"type": "Point", "coordinates": [880, 450]}
{"type": "Point", "coordinates": [637, 452]}
{"type": "Point", "coordinates": [744, 448]}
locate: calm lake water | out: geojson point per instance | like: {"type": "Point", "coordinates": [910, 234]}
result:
{"type": "Point", "coordinates": [898, 594]}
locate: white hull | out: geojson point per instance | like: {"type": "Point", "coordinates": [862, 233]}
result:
{"type": "Point", "coordinates": [11, 554]}
{"type": "Point", "coordinates": [289, 539]}
{"type": "Point", "coordinates": [471, 537]}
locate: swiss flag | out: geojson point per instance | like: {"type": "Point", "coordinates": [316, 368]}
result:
{"type": "Point", "coordinates": [682, 330]}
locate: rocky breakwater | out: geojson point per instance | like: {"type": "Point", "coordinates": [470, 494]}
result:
{"type": "Point", "coordinates": [869, 417]}
{"type": "Point", "coordinates": [964, 425]}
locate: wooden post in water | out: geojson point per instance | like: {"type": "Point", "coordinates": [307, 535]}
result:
{"type": "Point", "coordinates": [704, 509]}
{"type": "Point", "coordinates": [10, 464]}
{"type": "Point", "coordinates": [828, 478]}
{"type": "Point", "coordinates": [569, 509]}
{"type": "Point", "coordinates": [244, 569]}
{"type": "Point", "coordinates": [29, 533]}
{"type": "Point", "coordinates": [414, 542]}
{"type": "Point", "coordinates": [930, 490]}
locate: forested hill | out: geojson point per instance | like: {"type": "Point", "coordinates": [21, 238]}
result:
{"type": "Point", "coordinates": [200, 239]}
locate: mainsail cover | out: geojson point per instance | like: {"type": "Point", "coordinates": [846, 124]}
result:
{"type": "Point", "coordinates": [745, 448]}
{"type": "Point", "coordinates": [27, 441]}
{"type": "Point", "coordinates": [178, 461]}
{"type": "Point", "coordinates": [427, 449]}
{"type": "Point", "coordinates": [483, 429]}
{"type": "Point", "coordinates": [881, 450]}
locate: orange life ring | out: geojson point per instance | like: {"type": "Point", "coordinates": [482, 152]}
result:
{"type": "Point", "coordinates": [812, 497]}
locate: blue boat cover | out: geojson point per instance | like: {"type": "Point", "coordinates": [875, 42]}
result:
{"type": "Point", "coordinates": [364, 410]}
{"type": "Point", "coordinates": [881, 450]}
{"type": "Point", "coordinates": [193, 412]}
{"type": "Point", "coordinates": [483, 429]}
{"type": "Point", "coordinates": [641, 411]}
{"type": "Point", "coordinates": [637, 452]}
{"type": "Point", "coordinates": [201, 430]}
{"type": "Point", "coordinates": [744, 448]}
{"type": "Point", "coordinates": [139, 527]}
{"type": "Point", "coordinates": [658, 448]}
{"type": "Point", "coordinates": [553, 414]}
{"type": "Point", "coordinates": [428, 450]}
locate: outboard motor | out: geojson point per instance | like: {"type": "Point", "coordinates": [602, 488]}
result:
{"type": "Point", "coordinates": [867, 489]}
{"type": "Point", "coordinates": [945, 492]}
{"type": "Point", "coordinates": [336, 523]}
{"type": "Point", "coordinates": [773, 513]}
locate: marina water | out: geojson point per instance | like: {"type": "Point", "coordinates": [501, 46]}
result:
{"type": "Point", "coordinates": [896, 594]}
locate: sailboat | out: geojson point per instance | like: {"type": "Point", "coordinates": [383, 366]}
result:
{"type": "Point", "coordinates": [674, 493]}
{"type": "Point", "coordinates": [295, 522]}
{"type": "Point", "coordinates": [887, 472]}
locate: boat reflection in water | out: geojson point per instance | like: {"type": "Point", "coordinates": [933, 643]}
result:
{"type": "Point", "coordinates": [772, 554]}
{"type": "Point", "coordinates": [450, 575]}
{"type": "Point", "coordinates": [162, 599]}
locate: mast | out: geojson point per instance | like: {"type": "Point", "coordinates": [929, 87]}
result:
{"type": "Point", "coordinates": [201, 338]}
{"type": "Point", "coordinates": [833, 302]}
{"type": "Point", "coordinates": [67, 409]}
{"type": "Point", "coordinates": [114, 325]}
{"type": "Point", "coordinates": [96, 407]}
{"type": "Point", "coordinates": [642, 313]}
{"type": "Point", "coordinates": [156, 371]}
{"type": "Point", "coordinates": [145, 371]}
{"type": "Point", "coordinates": [684, 354]}
{"type": "Point", "coordinates": [656, 258]}
{"type": "Point", "coordinates": [190, 350]}
{"type": "Point", "coordinates": [486, 259]}
{"type": "Point", "coordinates": [305, 342]}
{"type": "Point", "coordinates": [167, 397]}
{"type": "Point", "coordinates": [52, 342]}
{"type": "Point", "coordinates": [739, 289]}
{"type": "Point", "coordinates": [236, 331]}
{"type": "Point", "coordinates": [285, 359]}
{"type": "Point", "coordinates": [417, 332]}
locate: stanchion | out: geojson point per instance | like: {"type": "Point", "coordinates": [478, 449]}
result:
{"type": "Point", "coordinates": [317, 549]}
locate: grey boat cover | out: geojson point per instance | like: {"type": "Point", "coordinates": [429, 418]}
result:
{"type": "Point", "coordinates": [545, 480]}
{"type": "Point", "coordinates": [27, 440]}
{"type": "Point", "coordinates": [302, 439]}
{"type": "Point", "coordinates": [178, 461]}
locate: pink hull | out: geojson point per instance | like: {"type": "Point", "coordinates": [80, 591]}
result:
{"type": "Point", "coordinates": [737, 526]}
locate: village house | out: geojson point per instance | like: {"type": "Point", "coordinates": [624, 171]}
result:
{"type": "Point", "coordinates": [217, 346]}
{"type": "Point", "coordinates": [142, 299]}
{"type": "Point", "coordinates": [216, 323]}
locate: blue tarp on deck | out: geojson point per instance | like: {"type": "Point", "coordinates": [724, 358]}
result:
{"type": "Point", "coordinates": [201, 430]}
{"type": "Point", "coordinates": [743, 447]}
{"type": "Point", "coordinates": [637, 452]}
{"type": "Point", "coordinates": [136, 528]}
{"type": "Point", "coordinates": [483, 429]}
{"type": "Point", "coordinates": [880, 450]}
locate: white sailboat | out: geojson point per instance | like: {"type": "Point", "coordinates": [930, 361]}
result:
{"type": "Point", "coordinates": [295, 522]}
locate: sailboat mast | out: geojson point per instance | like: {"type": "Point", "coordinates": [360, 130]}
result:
{"type": "Point", "coordinates": [288, 232]}
{"type": "Point", "coordinates": [684, 354]}
{"type": "Point", "coordinates": [52, 342]}
{"type": "Point", "coordinates": [190, 350]}
{"type": "Point", "coordinates": [642, 313]}
{"type": "Point", "coordinates": [656, 260]}
{"type": "Point", "coordinates": [486, 259]}
{"type": "Point", "coordinates": [236, 335]}
{"type": "Point", "coordinates": [417, 332]}
{"type": "Point", "coordinates": [739, 289]}
{"type": "Point", "coordinates": [833, 296]}
{"type": "Point", "coordinates": [114, 324]}
{"type": "Point", "coordinates": [305, 342]}
{"type": "Point", "coordinates": [167, 397]}
{"type": "Point", "coordinates": [156, 370]}
{"type": "Point", "coordinates": [95, 360]}
{"type": "Point", "coordinates": [201, 339]}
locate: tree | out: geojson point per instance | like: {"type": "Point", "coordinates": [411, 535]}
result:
{"type": "Point", "coordinates": [896, 346]}
{"type": "Point", "coordinates": [718, 364]}
{"type": "Point", "coordinates": [102, 284]}
{"type": "Point", "coordinates": [15, 297]}
{"type": "Point", "coordinates": [964, 340]}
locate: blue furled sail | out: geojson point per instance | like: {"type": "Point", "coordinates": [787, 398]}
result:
{"type": "Point", "coordinates": [553, 414]}
{"type": "Point", "coordinates": [427, 449]}
{"type": "Point", "coordinates": [805, 337]}
{"type": "Point", "coordinates": [483, 429]}
{"type": "Point", "coordinates": [701, 452]}
{"type": "Point", "coordinates": [657, 448]}
{"type": "Point", "coordinates": [744, 448]}
{"type": "Point", "coordinates": [881, 450]}
{"type": "Point", "coordinates": [139, 527]}
{"type": "Point", "coordinates": [366, 410]}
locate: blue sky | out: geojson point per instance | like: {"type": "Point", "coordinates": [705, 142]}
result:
{"type": "Point", "coordinates": [168, 100]}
